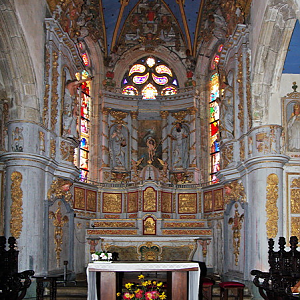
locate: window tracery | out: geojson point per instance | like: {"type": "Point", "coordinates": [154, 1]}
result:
{"type": "Point", "coordinates": [149, 77]}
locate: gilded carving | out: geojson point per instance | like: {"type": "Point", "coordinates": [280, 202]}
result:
{"type": "Point", "coordinates": [42, 141]}
{"type": "Point", "coordinates": [132, 201]}
{"type": "Point", "coordinates": [79, 198]}
{"type": "Point", "coordinates": [271, 206]}
{"type": "Point", "coordinates": [165, 216]}
{"type": "Point", "coordinates": [234, 191]}
{"type": "Point", "coordinates": [187, 232]}
{"type": "Point", "coordinates": [150, 199]}
{"type": "Point", "coordinates": [149, 226]}
{"type": "Point", "coordinates": [295, 196]}
{"type": "Point", "coordinates": [60, 188]}
{"type": "Point", "coordinates": [295, 224]}
{"type": "Point", "coordinates": [111, 217]}
{"type": "Point", "coordinates": [149, 251]}
{"type": "Point", "coordinates": [262, 142]}
{"type": "Point", "coordinates": [188, 217]}
{"type": "Point", "coordinates": [180, 116]}
{"type": "Point", "coordinates": [178, 253]}
{"type": "Point", "coordinates": [236, 222]}
{"type": "Point", "coordinates": [119, 116]}
{"type": "Point", "coordinates": [133, 216]}
{"type": "Point", "coordinates": [112, 232]}
{"type": "Point", "coordinates": [248, 91]}
{"type": "Point", "coordinates": [164, 114]}
{"type": "Point", "coordinates": [114, 224]}
{"type": "Point", "coordinates": [134, 114]}
{"type": "Point", "coordinates": [227, 155]}
{"type": "Point", "coordinates": [187, 203]}
{"type": "Point", "coordinates": [166, 202]}
{"type": "Point", "coordinates": [54, 94]}
{"type": "Point", "coordinates": [16, 208]}
{"type": "Point", "coordinates": [112, 203]}
{"type": "Point", "coordinates": [126, 253]}
{"type": "Point", "coordinates": [250, 145]}
{"type": "Point", "coordinates": [93, 244]}
{"type": "Point", "coordinates": [218, 199]}
{"type": "Point", "coordinates": [91, 200]}
{"type": "Point", "coordinates": [242, 150]}
{"type": "Point", "coordinates": [67, 151]}
{"type": "Point", "coordinates": [47, 89]}
{"type": "Point", "coordinates": [58, 222]}
{"type": "Point", "coordinates": [204, 244]}
{"type": "Point", "coordinates": [183, 224]}
{"type": "Point", "coordinates": [241, 92]}
{"type": "Point", "coordinates": [52, 148]}
{"type": "Point", "coordinates": [208, 201]}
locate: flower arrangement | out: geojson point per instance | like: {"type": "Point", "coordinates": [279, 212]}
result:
{"type": "Point", "coordinates": [147, 290]}
{"type": "Point", "coordinates": [106, 256]}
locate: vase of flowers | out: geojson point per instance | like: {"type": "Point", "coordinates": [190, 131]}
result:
{"type": "Point", "coordinates": [101, 257]}
{"type": "Point", "coordinates": [147, 290]}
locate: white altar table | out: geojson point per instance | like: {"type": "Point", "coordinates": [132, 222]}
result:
{"type": "Point", "coordinates": [182, 275]}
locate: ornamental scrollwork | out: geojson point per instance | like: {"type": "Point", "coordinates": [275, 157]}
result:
{"type": "Point", "coordinates": [16, 205]}
{"type": "Point", "coordinates": [234, 191]}
{"type": "Point", "coordinates": [271, 206]}
{"type": "Point", "coordinates": [60, 188]}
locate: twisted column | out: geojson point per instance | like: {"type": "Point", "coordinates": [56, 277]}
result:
{"type": "Point", "coordinates": [104, 137]}
{"type": "Point", "coordinates": [164, 115]}
{"type": "Point", "coordinates": [192, 112]}
{"type": "Point", "coordinates": [134, 135]}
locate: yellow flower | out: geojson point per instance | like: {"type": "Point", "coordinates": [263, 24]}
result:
{"type": "Point", "coordinates": [141, 277]}
{"type": "Point", "coordinates": [128, 285]}
{"type": "Point", "coordinates": [149, 282]}
{"type": "Point", "coordinates": [160, 284]}
{"type": "Point", "coordinates": [145, 283]}
{"type": "Point", "coordinates": [163, 296]}
{"type": "Point", "coordinates": [154, 282]}
{"type": "Point", "coordinates": [118, 294]}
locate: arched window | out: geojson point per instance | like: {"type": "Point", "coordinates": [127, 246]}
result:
{"type": "Point", "coordinates": [149, 77]}
{"type": "Point", "coordinates": [81, 158]}
{"type": "Point", "coordinates": [214, 134]}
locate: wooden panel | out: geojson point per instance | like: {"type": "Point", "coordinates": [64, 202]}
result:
{"type": "Point", "coordinates": [177, 285]}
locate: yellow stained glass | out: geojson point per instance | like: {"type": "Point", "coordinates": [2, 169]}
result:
{"type": "Point", "coordinates": [150, 62]}
{"type": "Point", "coordinates": [149, 92]}
{"type": "Point", "coordinates": [137, 68]}
{"type": "Point", "coordinates": [163, 69]}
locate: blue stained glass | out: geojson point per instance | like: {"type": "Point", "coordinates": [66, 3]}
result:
{"type": "Point", "coordinates": [83, 142]}
{"type": "Point", "coordinates": [175, 82]}
{"type": "Point", "coordinates": [125, 81]}
{"type": "Point", "coordinates": [217, 146]}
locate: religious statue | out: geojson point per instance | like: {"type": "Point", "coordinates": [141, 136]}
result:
{"type": "Point", "coordinates": [118, 148]}
{"type": "Point", "coordinates": [294, 129]}
{"type": "Point", "coordinates": [151, 144]}
{"type": "Point", "coordinates": [17, 140]}
{"type": "Point", "coordinates": [179, 139]}
{"type": "Point", "coordinates": [227, 114]}
{"type": "Point", "coordinates": [70, 110]}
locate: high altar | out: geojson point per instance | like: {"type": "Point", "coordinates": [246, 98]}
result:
{"type": "Point", "coordinates": [149, 198]}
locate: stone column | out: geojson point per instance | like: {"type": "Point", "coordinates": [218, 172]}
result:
{"type": "Point", "coordinates": [105, 153]}
{"type": "Point", "coordinates": [134, 135]}
{"type": "Point", "coordinates": [192, 112]}
{"type": "Point", "coordinates": [164, 115]}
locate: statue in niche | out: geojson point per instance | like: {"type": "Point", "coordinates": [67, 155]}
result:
{"type": "Point", "coordinates": [179, 139]}
{"type": "Point", "coordinates": [118, 148]}
{"type": "Point", "coordinates": [294, 129]}
{"type": "Point", "coordinates": [17, 140]}
{"type": "Point", "coordinates": [70, 110]}
{"type": "Point", "coordinates": [227, 114]}
{"type": "Point", "coordinates": [151, 144]}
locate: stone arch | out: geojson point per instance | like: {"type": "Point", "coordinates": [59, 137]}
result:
{"type": "Point", "coordinates": [16, 67]}
{"type": "Point", "coordinates": [274, 37]}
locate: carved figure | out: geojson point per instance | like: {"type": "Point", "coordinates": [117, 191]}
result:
{"type": "Point", "coordinates": [179, 139]}
{"type": "Point", "coordinates": [294, 129]}
{"type": "Point", "coordinates": [151, 144]}
{"type": "Point", "coordinates": [17, 140]}
{"type": "Point", "coordinates": [70, 110]}
{"type": "Point", "coordinates": [227, 114]}
{"type": "Point", "coordinates": [118, 148]}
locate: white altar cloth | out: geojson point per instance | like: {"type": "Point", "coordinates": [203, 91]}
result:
{"type": "Point", "coordinates": [141, 266]}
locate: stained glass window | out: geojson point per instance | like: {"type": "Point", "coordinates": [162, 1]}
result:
{"type": "Point", "coordinates": [149, 77]}
{"type": "Point", "coordinates": [149, 92]}
{"type": "Point", "coordinates": [169, 90]}
{"type": "Point", "coordinates": [81, 158]}
{"type": "Point", "coordinates": [138, 68]}
{"type": "Point", "coordinates": [214, 133]}
{"type": "Point", "coordinates": [160, 80]}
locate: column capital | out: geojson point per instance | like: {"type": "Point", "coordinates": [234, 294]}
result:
{"type": "Point", "coordinates": [192, 110]}
{"type": "Point", "coordinates": [106, 110]}
{"type": "Point", "coordinates": [134, 114]}
{"type": "Point", "coordinates": [164, 114]}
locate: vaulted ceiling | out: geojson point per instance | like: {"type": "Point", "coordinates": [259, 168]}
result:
{"type": "Point", "coordinates": [119, 26]}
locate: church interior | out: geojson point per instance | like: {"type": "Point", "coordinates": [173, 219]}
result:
{"type": "Point", "coordinates": [159, 130]}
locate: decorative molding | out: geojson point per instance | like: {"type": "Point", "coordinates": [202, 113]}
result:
{"type": "Point", "coordinates": [16, 205]}
{"type": "Point", "coordinates": [271, 206]}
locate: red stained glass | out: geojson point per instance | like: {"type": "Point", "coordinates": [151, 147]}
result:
{"type": "Point", "coordinates": [214, 128]}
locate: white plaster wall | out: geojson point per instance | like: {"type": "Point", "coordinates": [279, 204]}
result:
{"type": "Point", "coordinates": [286, 83]}
{"type": "Point", "coordinates": [31, 14]}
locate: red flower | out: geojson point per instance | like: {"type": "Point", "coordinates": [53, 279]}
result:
{"type": "Point", "coordinates": [127, 295]}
